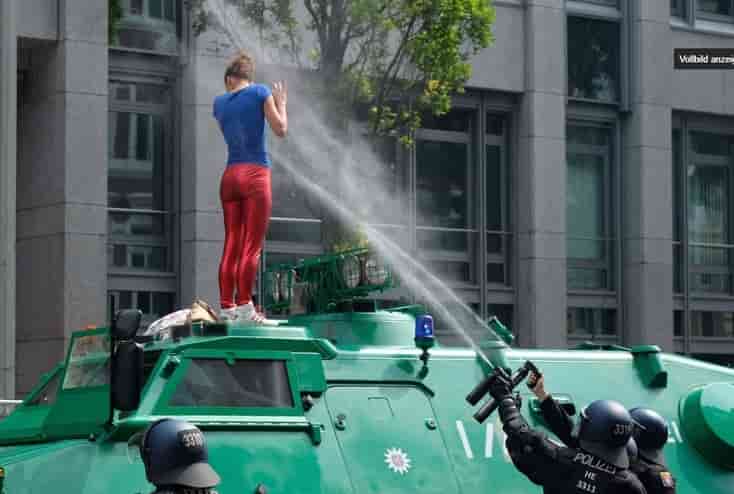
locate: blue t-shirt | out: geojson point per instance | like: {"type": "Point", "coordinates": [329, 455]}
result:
{"type": "Point", "coordinates": [241, 117]}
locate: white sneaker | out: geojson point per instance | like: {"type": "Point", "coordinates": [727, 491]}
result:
{"type": "Point", "coordinates": [228, 315]}
{"type": "Point", "coordinates": [247, 314]}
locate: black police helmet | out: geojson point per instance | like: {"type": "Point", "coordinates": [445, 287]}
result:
{"type": "Point", "coordinates": [651, 434]}
{"type": "Point", "coordinates": [175, 454]}
{"type": "Point", "coordinates": [604, 431]}
{"type": "Point", "coordinates": [632, 450]}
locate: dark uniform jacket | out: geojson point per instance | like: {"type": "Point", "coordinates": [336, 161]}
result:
{"type": "Point", "coordinates": [559, 469]}
{"type": "Point", "coordinates": [656, 478]}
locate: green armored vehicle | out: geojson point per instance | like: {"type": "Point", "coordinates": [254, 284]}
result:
{"type": "Point", "coordinates": [340, 398]}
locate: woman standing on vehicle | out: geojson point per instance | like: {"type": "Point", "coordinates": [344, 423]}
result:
{"type": "Point", "coordinates": [245, 189]}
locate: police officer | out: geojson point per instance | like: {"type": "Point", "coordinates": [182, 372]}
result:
{"type": "Point", "coordinates": [559, 422]}
{"type": "Point", "coordinates": [650, 467]}
{"type": "Point", "coordinates": [175, 456]}
{"type": "Point", "coordinates": [598, 466]}
{"type": "Point", "coordinates": [650, 429]}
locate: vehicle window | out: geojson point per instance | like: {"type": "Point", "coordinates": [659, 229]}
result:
{"type": "Point", "coordinates": [47, 394]}
{"type": "Point", "coordinates": [150, 359]}
{"type": "Point", "coordinates": [89, 362]}
{"type": "Point", "coordinates": [242, 384]}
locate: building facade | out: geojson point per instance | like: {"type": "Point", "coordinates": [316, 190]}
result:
{"type": "Point", "coordinates": [581, 189]}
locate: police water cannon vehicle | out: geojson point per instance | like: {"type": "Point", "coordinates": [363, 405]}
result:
{"type": "Point", "coordinates": [341, 397]}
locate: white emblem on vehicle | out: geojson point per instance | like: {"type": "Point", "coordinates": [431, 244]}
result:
{"type": "Point", "coordinates": [397, 460]}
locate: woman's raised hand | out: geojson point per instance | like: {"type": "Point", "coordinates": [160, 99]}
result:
{"type": "Point", "coordinates": [280, 94]}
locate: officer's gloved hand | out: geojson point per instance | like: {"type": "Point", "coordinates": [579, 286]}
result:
{"type": "Point", "coordinates": [537, 384]}
{"type": "Point", "coordinates": [500, 386]}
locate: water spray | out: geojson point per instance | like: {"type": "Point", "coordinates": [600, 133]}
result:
{"type": "Point", "coordinates": [313, 141]}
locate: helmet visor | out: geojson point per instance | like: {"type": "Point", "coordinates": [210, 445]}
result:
{"type": "Point", "coordinates": [198, 475]}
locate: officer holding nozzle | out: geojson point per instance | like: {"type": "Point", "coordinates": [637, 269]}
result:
{"type": "Point", "coordinates": [645, 448]}
{"type": "Point", "coordinates": [598, 466]}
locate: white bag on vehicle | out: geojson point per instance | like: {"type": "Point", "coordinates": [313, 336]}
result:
{"type": "Point", "coordinates": [162, 327]}
{"type": "Point", "coordinates": [199, 311]}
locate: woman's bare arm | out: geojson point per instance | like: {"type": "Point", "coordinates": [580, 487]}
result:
{"type": "Point", "coordinates": [275, 109]}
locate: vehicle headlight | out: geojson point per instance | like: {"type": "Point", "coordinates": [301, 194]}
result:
{"type": "Point", "coordinates": [375, 271]}
{"type": "Point", "coordinates": [351, 272]}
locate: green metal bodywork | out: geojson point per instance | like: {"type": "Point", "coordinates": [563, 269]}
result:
{"type": "Point", "coordinates": [372, 406]}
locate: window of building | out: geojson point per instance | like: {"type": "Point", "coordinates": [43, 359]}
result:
{"type": "Point", "coordinates": [446, 197]}
{"type": "Point", "coordinates": [677, 194]}
{"type": "Point", "coordinates": [153, 305]}
{"type": "Point", "coordinates": [593, 59]}
{"type": "Point", "coordinates": [138, 183]}
{"type": "Point", "coordinates": [497, 193]}
{"type": "Point", "coordinates": [712, 324]}
{"type": "Point", "coordinates": [589, 208]}
{"type": "Point", "coordinates": [716, 10]}
{"type": "Point", "coordinates": [150, 25]}
{"type": "Point", "coordinates": [389, 212]}
{"type": "Point", "coordinates": [678, 323]}
{"type": "Point", "coordinates": [606, 3]}
{"type": "Point", "coordinates": [708, 212]}
{"type": "Point", "coordinates": [140, 256]}
{"type": "Point", "coordinates": [591, 323]}
{"type": "Point", "coordinates": [703, 161]}
{"type": "Point", "coordinates": [678, 8]}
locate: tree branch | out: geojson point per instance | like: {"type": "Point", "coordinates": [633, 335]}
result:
{"type": "Point", "coordinates": [316, 21]}
{"type": "Point", "coordinates": [393, 63]}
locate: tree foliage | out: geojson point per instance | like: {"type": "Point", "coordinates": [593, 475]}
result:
{"type": "Point", "coordinates": [397, 58]}
{"type": "Point", "coordinates": [114, 16]}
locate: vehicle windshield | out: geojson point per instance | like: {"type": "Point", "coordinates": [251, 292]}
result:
{"type": "Point", "coordinates": [89, 362]}
{"type": "Point", "coordinates": [239, 384]}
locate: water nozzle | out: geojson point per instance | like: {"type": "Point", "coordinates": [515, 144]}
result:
{"type": "Point", "coordinates": [483, 388]}
{"type": "Point", "coordinates": [501, 330]}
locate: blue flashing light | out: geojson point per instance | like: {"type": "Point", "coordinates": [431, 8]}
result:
{"type": "Point", "coordinates": [424, 331]}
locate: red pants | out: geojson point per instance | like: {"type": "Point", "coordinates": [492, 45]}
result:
{"type": "Point", "coordinates": [247, 202]}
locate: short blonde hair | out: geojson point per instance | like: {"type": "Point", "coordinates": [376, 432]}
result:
{"type": "Point", "coordinates": [242, 66]}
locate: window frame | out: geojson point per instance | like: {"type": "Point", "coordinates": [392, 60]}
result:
{"type": "Point", "coordinates": [619, 14]}
{"type": "Point", "coordinates": [163, 408]}
{"type": "Point", "coordinates": [576, 338]}
{"type": "Point", "coordinates": [179, 21]}
{"type": "Point", "coordinates": [611, 203]}
{"type": "Point", "coordinates": [164, 111]}
{"type": "Point", "coordinates": [680, 9]}
{"type": "Point", "coordinates": [721, 18]}
{"type": "Point", "coordinates": [688, 301]}
{"type": "Point", "coordinates": [585, 114]}
{"type": "Point", "coordinates": [127, 70]}
{"type": "Point", "coordinates": [471, 232]}
{"type": "Point", "coordinates": [506, 231]}
{"type": "Point", "coordinates": [707, 160]}
{"type": "Point", "coordinates": [491, 293]}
